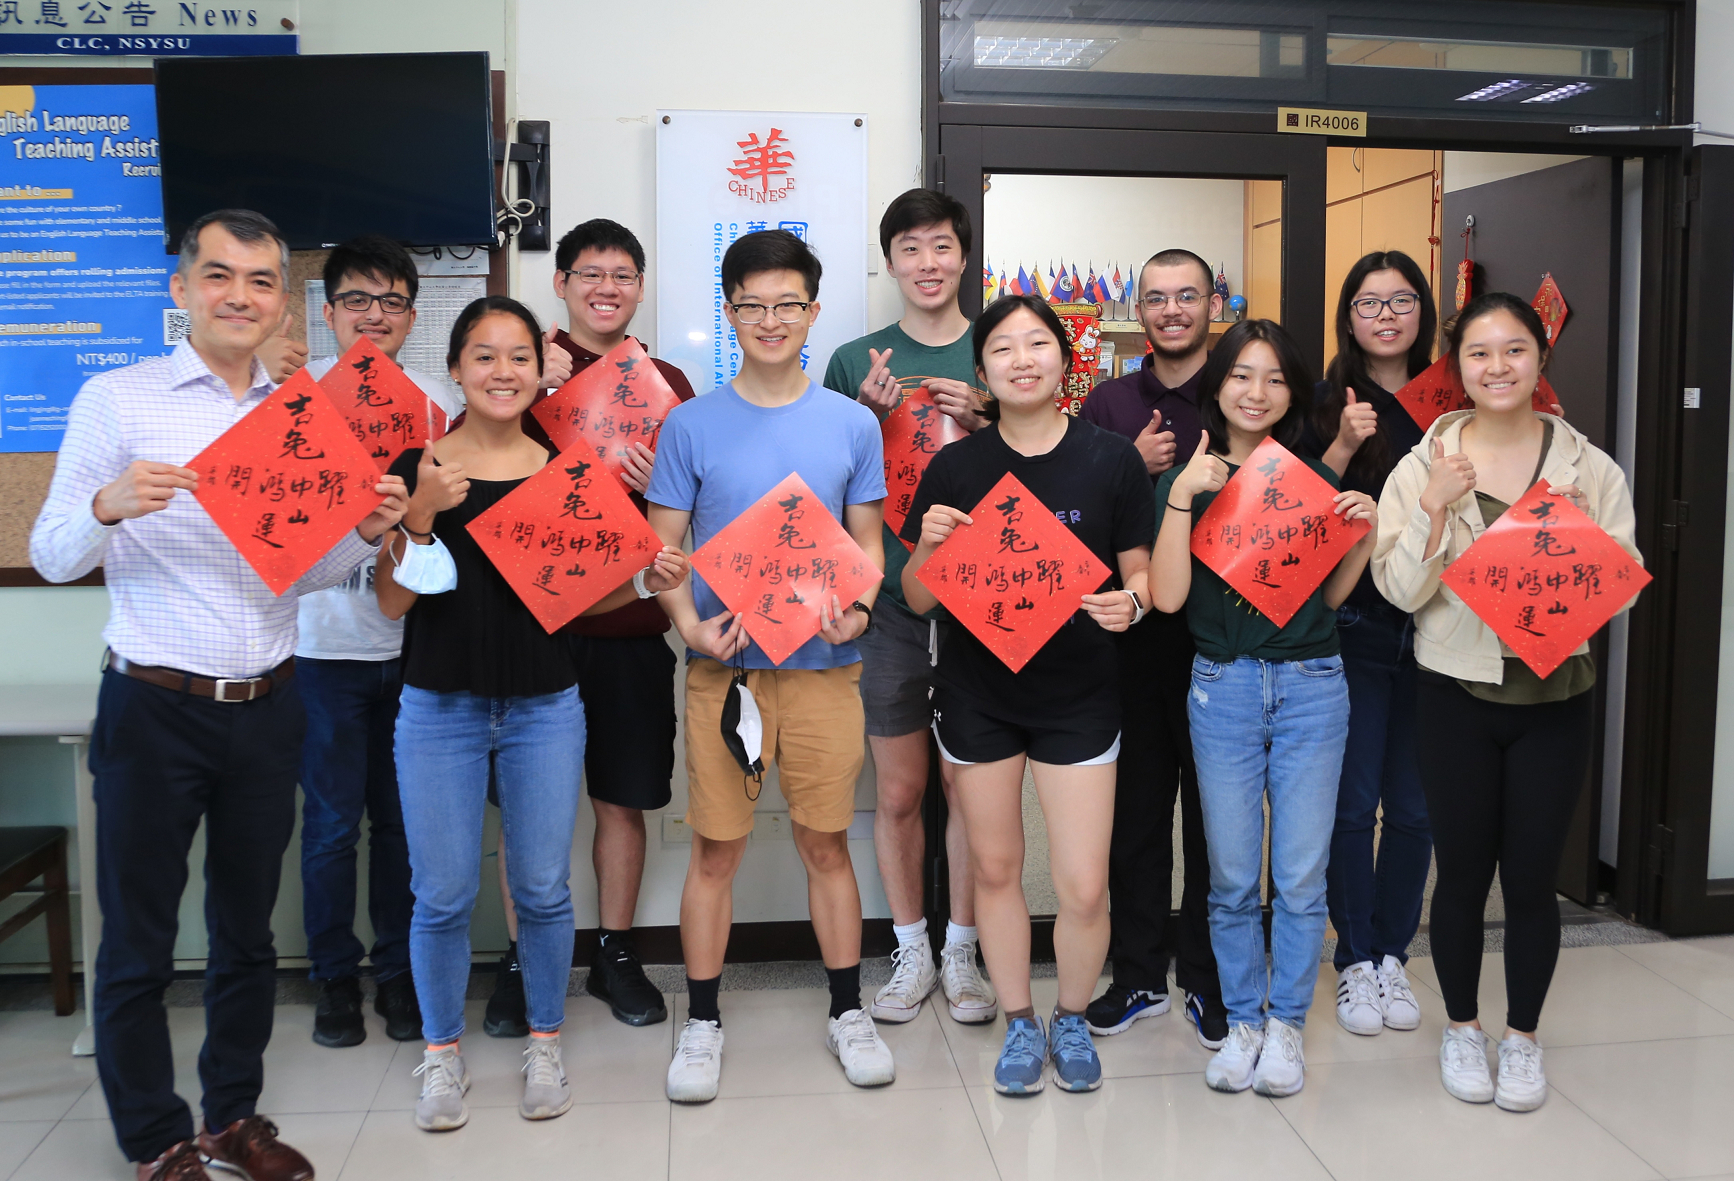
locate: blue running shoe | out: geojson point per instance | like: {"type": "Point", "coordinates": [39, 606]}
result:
{"type": "Point", "coordinates": [1076, 1065]}
{"type": "Point", "coordinates": [1022, 1058]}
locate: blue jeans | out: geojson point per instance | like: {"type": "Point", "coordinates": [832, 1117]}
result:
{"type": "Point", "coordinates": [443, 744]}
{"type": "Point", "coordinates": [1376, 908]}
{"type": "Point", "coordinates": [346, 769]}
{"type": "Point", "coordinates": [1268, 729]}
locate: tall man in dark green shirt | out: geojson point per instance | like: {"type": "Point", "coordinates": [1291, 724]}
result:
{"type": "Point", "coordinates": [926, 239]}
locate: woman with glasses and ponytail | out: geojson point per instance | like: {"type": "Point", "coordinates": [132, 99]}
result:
{"type": "Point", "coordinates": [1386, 325]}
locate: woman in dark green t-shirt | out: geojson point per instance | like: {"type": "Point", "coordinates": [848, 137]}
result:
{"type": "Point", "coordinates": [1269, 711]}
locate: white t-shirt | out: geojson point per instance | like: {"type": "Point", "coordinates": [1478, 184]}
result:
{"type": "Point", "coordinates": [344, 622]}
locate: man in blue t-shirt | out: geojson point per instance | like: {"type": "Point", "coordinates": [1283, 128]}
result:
{"type": "Point", "coordinates": [717, 456]}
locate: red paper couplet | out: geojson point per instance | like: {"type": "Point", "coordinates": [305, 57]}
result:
{"type": "Point", "coordinates": [778, 561]}
{"type": "Point", "coordinates": [1550, 305]}
{"type": "Point", "coordinates": [618, 400]}
{"type": "Point", "coordinates": [913, 435]}
{"type": "Point", "coordinates": [1438, 390]}
{"type": "Point", "coordinates": [387, 411]}
{"type": "Point", "coordinates": [1272, 534]}
{"type": "Point", "coordinates": [1014, 576]}
{"type": "Point", "coordinates": [287, 481]}
{"type": "Point", "coordinates": [1545, 577]}
{"type": "Point", "coordinates": [565, 538]}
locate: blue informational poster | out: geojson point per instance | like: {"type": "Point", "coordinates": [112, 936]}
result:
{"type": "Point", "coordinates": [84, 280]}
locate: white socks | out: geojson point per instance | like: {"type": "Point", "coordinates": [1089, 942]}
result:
{"type": "Point", "coordinates": [914, 933]}
{"type": "Point", "coordinates": [957, 934]}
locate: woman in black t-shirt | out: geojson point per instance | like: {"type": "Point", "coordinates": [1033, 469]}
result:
{"type": "Point", "coordinates": [1060, 713]}
{"type": "Point", "coordinates": [483, 680]}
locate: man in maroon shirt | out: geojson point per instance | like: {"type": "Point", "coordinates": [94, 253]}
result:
{"type": "Point", "coordinates": [625, 667]}
{"type": "Point", "coordinates": [1157, 408]}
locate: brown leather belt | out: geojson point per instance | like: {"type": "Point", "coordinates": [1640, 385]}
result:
{"type": "Point", "coordinates": [218, 689]}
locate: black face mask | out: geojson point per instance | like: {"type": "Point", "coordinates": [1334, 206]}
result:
{"type": "Point", "coordinates": [742, 729]}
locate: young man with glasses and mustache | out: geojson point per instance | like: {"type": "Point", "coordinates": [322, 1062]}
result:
{"type": "Point", "coordinates": [348, 661]}
{"type": "Point", "coordinates": [926, 238]}
{"type": "Point", "coordinates": [1157, 408]}
{"type": "Point", "coordinates": [718, 456]}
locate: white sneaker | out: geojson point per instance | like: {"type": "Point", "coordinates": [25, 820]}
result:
{"type": "Point", "coordinates": [1231, 1068]}
{"type": "Point", "coordinates": [1463, 1064]}
{"type": "Point", "coordinates": [444, 1081]}
{"type": "Point", "coordinates": [913, 978]}
{"type": "Point", "coordinates": [865, 1057]}
{"type": "Point", "coordinates": [1282, 1064]}
{"type": "Point", "coordinates": [546, 1092]}
{"type": "Point", "coordinates": [697, 1065]}
{"type": "Point", "coordinates": [1402, 1011]}
{"type": "Point", "coordinates": [1522, 1082]}
{"type": "Point", "coordinates": [970, 996]}
{"type": "Point", "coordinates": [1358, 1008]}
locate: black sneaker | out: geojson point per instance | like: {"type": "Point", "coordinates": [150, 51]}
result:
{"type": "Point", "coordinates": [619, 979]}
{"type": "Point", "coordinates": [337, 1018]}
{"type": "Point", "coordinates": [1115, 1010]}
{"type": "Point", "coordinates": [1209, 1019]}
{"type": "Point", "coordinates": [395, 1001]}
{"type": "Point", "coordinates": [505, 1016]}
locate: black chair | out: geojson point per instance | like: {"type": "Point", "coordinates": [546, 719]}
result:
{"type": "Point", "coordinates": [25, 855]}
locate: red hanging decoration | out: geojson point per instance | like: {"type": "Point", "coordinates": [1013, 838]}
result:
{"type": "Point", "coordinates": [1465, 271]}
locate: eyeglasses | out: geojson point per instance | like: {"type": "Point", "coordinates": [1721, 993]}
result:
{"type": "Point", "coordinates": [391, 303]}
{"type": "Point", "coordinates": [1400, 305]}
{"type": "Point", "coordinates": [754, 313]}
{"type": "Point", "coordinates": [1156, 301]}
{"type": "Point", "coordinates": [592, 276]}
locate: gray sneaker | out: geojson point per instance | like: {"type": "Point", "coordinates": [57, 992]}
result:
{"type": "Point", "coordinates": [546, 1091]}
{"type": "Point", "coordinates": [444, 1082]}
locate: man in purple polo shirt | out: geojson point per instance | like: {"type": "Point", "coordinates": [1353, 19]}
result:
{"type": "Point", "coordinates": [1157, 408]}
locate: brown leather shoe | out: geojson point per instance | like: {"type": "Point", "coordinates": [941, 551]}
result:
{"type": "Point", "coordinates": [180, 1163]}
{"type": "Point", "coordinates": [251, 1147]}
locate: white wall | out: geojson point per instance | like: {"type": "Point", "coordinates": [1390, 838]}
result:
{"type": "Point", "coordinates": [1080, 220]}
{"type": "Point", "coordinates": [1465, 170]}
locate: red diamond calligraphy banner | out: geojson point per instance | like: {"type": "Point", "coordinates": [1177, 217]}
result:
{"type": "Point", "coordinates": [565, 538]}
{"type": "Point", "coordinates": [778, 561]}
{"type": "Point", "coordinates": [387, 411]}
{"type": "Point", "coordinates": [1438, 390]}
{"type": "Point", "coordinates": [1545, 577]}
{"type": "Point", "coordinates": [618, 400]}
{"type": "Point", "coordinates": [913, 434]}
{"type": "Point", "coordinates": [287, 481]}
{"type": "Point", "coordinates": [1550, 305]}
{"type": "Point", "coordinates": [1272, 532]}
{"type": "Point", "coordinates": [1015, 576]}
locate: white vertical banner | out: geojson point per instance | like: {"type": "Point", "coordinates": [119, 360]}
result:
{"type": "Point", "coordinates": [722, 174]}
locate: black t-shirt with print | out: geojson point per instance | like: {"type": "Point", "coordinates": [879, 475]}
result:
{"type": "Point", "coordinates": [1094, 481]}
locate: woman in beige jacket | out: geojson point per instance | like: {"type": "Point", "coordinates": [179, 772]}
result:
{"type": "Point", "coordinates": [1503, 752]}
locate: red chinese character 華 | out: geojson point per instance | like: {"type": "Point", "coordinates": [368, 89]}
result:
{"type": "Point", "coordinates": [761, 161]}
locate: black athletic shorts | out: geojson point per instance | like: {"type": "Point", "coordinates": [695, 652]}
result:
{"type": "Point", "coordinates": [969, 735]}
{"type": "Point", "coordinates": [627, 683]}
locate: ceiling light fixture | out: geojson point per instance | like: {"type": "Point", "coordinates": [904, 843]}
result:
{"type": "Point", "coordinates": [1561, 92]}
{"type": "Point", "coordinates": [1503, 89]}
{"type": "Point", "coordinates": [1041, 53]}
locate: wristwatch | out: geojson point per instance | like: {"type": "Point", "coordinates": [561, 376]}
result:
{"type": "Point", "coordinates": [865, 610]}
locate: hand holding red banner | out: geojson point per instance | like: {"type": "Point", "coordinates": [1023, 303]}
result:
{"type": "Point", "coordinates": [776, 563]}
{"type": "Point", "coordinates": [565, 538]}
{"type": "Point", "coordinates": [1545, 577]}
{"type": "Point", "coordinates": [1015, 575]}
{"type": "Point", "coordinates": [913, 433]}
{"type": "Point", "coordinates": [1272, 533]}
{"type": "Point", "coordinates": [387, 411]}
{"type": "Point", "coordinates": [1438, 390]}
{"type": "Point", "coordinates": [619, 400]}
{"type": "Point", "coordinates": [287, 481]}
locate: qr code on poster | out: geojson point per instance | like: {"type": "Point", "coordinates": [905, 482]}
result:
{"type": "Point", "coordinates": [176, 325]}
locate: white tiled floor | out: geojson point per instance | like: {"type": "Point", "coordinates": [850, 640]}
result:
{"type": "Point", "coordinates": [1640, 1053]}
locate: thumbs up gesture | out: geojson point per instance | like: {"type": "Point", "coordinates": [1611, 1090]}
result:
{"type": "Point", "coordinates": [1449, 479]}
{"type": "Point", "coordinates": [1359, 423]}
{"type": "Point", "coordinates": [282, 354]}
{"type": "Point", "coordinates": [1204, 472]}
{"type": "Point", "coordinates": [1156, 446]}
{"type": "Point", "coordinates": [438, 487]}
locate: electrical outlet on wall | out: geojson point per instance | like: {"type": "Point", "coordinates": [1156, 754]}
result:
{"type": "Point", "coordinates": [675, 830]}
{"type": "Point", "coordinates": [771, 826]}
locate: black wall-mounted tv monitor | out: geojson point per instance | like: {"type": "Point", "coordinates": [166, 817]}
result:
{"type": "Point", "coordinates": [330, 146]}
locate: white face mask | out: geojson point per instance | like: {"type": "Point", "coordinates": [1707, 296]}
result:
{"type": "Point", "coordinates": [425, 569]}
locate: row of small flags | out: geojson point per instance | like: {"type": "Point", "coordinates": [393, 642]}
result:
{"type": "Point", "coordinates": [1064, 285]}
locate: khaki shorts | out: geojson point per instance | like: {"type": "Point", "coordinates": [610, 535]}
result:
{"type": "Point", "coordinates": [813, 732]}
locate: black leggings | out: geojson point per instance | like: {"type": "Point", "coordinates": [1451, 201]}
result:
{"type": "Point", "coordinates": [1502, 782]}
